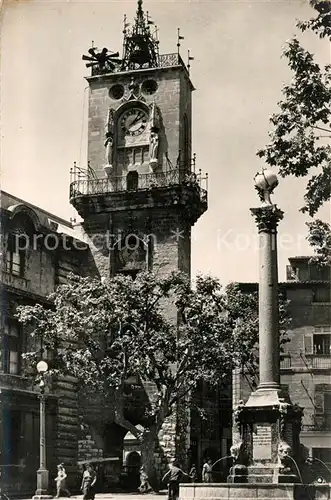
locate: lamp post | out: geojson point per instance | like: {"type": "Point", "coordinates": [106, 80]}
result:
{"type": "Point", "coordinates": [42, 472]}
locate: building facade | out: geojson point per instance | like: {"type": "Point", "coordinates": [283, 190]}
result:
{"type": "Point", "coordinates": [38, 252]}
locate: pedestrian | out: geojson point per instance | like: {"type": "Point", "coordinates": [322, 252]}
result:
{"type": "Point", "coordinates": [60, 481]}
{"type": "Point", "coordinates": [207, 476]}
{"type": "Point", "coordinates": [193, 473]}
{"type": "Point", "coordinates": [175, 475]}
{"type": "Point", "coordinates": [144, 484]}
{"type": "Point", "coordinates": [88, 482]}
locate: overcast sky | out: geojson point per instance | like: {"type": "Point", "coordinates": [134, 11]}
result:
{"type": "Point", "coordinates": [237, 71]}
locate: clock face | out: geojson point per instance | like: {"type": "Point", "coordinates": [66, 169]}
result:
{"type": "Point", "coordinates": [133, 121]}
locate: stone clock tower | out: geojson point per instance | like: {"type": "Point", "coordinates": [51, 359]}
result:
{"type": "Point", "coordinates": [140, 195]}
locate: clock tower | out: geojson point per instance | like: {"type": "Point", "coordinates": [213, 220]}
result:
{"type": "Point", "coordinates": [141, 193]}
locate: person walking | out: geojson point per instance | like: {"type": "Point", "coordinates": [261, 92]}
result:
{"type": "Point", "coordinates": [144, 484]}
{"type": "Point", "coordinates": [175, 475]}
{"type": "Point", "coordinates": [88, 482]}
{"type": "Point", "coordinates": [193, 473]}
{"type": "Point", "coordinates": [207, 472]}
{"type": "Point", "coordinates": [60, 481]}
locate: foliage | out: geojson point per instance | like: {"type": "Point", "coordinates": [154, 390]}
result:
{"type": "Point", "coordinates": [303, 119]}
{"type": "Point", "coordinates": [104, 332]}
{"type": "Point", "coordinates": [159, 329]}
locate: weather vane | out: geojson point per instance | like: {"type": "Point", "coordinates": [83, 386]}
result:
{"type": "Point", "coordinates": [105, 61]}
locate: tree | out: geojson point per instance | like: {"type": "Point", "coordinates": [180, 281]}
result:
{"type": "Point", "coordinates": [300, 139]}
{"type": "Point", "coordinates": [103, 332]}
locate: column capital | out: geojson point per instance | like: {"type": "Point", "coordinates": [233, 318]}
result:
{"type": "Point", "coordinates": [267, 218]}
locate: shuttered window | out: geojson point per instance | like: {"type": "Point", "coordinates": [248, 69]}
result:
{"type": "Point", "coordinates": [308, 343]}
{"type": "Point", "coordinates": [322, 399]}
{"type": "Point", "coordinates": [319, 341]}
{"type": "Point", "coordinates": [322, 340]}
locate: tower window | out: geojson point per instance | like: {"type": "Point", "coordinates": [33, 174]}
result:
{"type": "Point", "coordinates": [116, 92]}
{"type": "Point", "coordinates": [186, 155]}
{"type": "Point", "coordinates": [149, 87]}
{"type": "Point", "coordinates": [132, 180]}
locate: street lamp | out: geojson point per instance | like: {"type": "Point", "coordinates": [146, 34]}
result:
{"type": "Point", "coordinates": [42, 472]}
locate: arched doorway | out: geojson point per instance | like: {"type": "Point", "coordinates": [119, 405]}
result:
{"type": "Point", "coordinates": [133, 464]}
{"type": "Point", "coordinates": [132, 180]}
{"type": "Point", "coordinates": [132, 460]}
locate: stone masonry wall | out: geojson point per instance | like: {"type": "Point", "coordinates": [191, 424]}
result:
{"type": "Point", "coordinates": [166, 98]}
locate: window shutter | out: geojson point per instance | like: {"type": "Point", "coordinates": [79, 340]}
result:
{"type": "Point", "coordinates": [319, 398]}
{"type": "Point", "coordinates": [320, 392]}
{"type": "Point", "coordinates": [308, 343]}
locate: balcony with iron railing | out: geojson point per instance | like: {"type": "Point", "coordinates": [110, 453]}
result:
{"type": "Point", "coordinates": [163, 61]}
{"type": "Point", "coordinates": [308, 361]}
{"type": "Point", "coordinates": [318, 361]}
{"type": "Point", "coordinates": [84, 186]}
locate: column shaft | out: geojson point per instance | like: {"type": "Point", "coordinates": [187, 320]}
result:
{"type": "Point", "coordinates": [268, 311]}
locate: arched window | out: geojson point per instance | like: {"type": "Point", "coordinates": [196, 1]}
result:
{"type": "Point", "coordinates": [132, 180]}
{"type": "Point", "coordinates": [186, 145]}
{"type": "Point", "coordinates": [18, 242]}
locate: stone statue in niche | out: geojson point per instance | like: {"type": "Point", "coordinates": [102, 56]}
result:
{"type": "Point", "coordinates": [154, 137]}
{"type": "Point", "coordinates": [153, 149]}
{"type": "Point", "coordinates": [109, 133]}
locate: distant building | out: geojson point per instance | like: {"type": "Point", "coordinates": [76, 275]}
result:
{"type": "Point", "coordinates": [306, 361]}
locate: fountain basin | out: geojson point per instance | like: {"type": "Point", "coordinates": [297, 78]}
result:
{"type": "Point", "coordinates": [249, 491]}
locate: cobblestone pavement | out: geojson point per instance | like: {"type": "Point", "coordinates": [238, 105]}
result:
{"type": "Point", "coordinates": [162, 495]}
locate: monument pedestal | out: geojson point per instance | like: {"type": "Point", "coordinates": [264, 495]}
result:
{"type": "Point", "coordinates": [268, 445]}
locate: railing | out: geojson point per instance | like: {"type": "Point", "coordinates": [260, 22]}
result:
{"type": "Point", "coordinates": [15, 281]}
{"type": "Point", "coordinates": [140, 182]}
{"type": "Point", "coordinates": [285, 362]}
{"type": "Point", "coordinates": [319, 361]}
{"type": "Point", "coordinates": [164, 61]}
{"type": "Point", "coordinates": [310, 273]}
{"type": "Point", "coordinates": [12, 382]}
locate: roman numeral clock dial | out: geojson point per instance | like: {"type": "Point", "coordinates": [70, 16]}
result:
{"type": "Point", "coordinates": [133, 121]}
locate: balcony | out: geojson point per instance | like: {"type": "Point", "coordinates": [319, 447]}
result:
{"type": "Point", "coordinates": [164, 61]}
{"type": "Point", "coordinates": [285, 362]}
{"type": "Point", "coordinates": [16, 382]}
{"type": "Point", "coordinates": [148, 181]}
{"type": "Point", "coordinates": [318, 361]}
{"type": "Point", "coordinates": [177, 188]}
{"type": "Point", "coordinates": [15, 281]}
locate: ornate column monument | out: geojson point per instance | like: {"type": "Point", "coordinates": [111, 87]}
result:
{"type": "Point", "coordinates": [266, 445]}
{"type": "Point", "coordinates": [268, 424]}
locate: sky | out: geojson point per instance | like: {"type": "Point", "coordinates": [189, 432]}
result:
{"type": "Point", "coordinates": [238, 73]}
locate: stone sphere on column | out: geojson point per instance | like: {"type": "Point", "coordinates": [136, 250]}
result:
{"type": "Point", "coordinates": [266, 180]}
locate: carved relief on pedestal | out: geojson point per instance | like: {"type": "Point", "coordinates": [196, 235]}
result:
{"type": "Point", "coordinates": [284, 457]}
